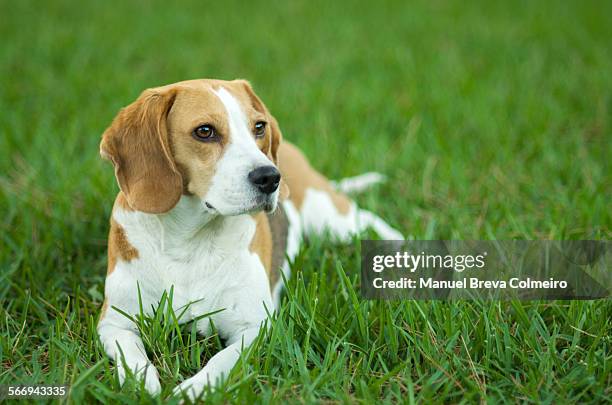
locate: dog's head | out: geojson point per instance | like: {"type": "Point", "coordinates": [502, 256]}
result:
{"type": "Point", "coordinates": [209, 138]}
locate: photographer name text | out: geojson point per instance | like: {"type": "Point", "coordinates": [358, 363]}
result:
{"type": "Point", "coordinates": [468, 283]}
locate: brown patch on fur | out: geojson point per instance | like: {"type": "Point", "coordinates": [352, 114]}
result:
{"type": "Point", "coordinates": [270, 242]}
{"type": "Point", "coordinates": [118, 245]}
{"type": "Point", "coordinates": [300, 176]}
{"type": "Point", "coordinates": [261, 244]}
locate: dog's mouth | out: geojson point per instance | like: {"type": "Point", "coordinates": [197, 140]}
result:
{"type": "Point", "coordinates": [269, 207]}
{"type": "Point", "coordinates": [210, 208]}
{"type": "Point", "coordinates": [261, 203]}
{"type": "Point", "coordinates": [267, 204]}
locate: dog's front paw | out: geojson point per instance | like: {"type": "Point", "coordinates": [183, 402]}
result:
{"type": "Point", "coordinates": [192, 387]}
{"type": "Point", "coordinates": [148, 373]}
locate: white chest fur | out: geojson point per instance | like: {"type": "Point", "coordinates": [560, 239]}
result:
{"type": "Point", "coordinates": [204, 259]}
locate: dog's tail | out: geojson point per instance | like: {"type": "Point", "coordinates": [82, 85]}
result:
{"type": "Point", "coordinates": [357, 184]}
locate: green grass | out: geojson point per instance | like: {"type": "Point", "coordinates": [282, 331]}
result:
{"type": "Point", "coordinates": [491, 120]}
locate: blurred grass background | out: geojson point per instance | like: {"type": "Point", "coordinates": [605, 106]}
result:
{"type": "Point", "coordinates": [491, 120]}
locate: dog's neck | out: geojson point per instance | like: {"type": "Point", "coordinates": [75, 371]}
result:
{"type": "Point", "coordinates": [189, 227]}
{"type": "Point", "coordinates": [189, 218]}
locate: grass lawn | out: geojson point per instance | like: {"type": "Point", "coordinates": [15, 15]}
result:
{"type": "Point", "coordinates": [492, 122]}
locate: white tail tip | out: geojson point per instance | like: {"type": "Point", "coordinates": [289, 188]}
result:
{"type": "Point", "coordinates": [357, 184]}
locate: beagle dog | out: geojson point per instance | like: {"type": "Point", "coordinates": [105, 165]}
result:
{"type": "Point", "coordinates": [214, 204]}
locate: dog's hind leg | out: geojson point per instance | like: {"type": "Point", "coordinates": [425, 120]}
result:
{"type": "Point", "coordinates": [324, 209]}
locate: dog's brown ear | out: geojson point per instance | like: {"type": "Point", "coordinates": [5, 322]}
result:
{"type": "Point", "coordinates": [275, 137]}
{"type": "Point", "coordinates": [137, 144]}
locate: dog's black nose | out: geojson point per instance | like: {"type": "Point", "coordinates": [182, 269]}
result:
{"type": "Point", "coordinates": [265, 178]}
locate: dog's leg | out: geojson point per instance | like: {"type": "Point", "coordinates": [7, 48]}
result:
{"type": "Point", "coordinates": [324, 209]}
{"type": "Point", "coordinates": [218, 366]}
{"type": "Point", "coordinates": [123, 344]}
{"type": "Point", "coordinates": [319, 214]}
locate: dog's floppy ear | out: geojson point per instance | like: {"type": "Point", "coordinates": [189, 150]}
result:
{"type": "Point", "coordinates": [137, 144]}
{"type": "Point", "coordinates": [275, 133]}
{"type": "Point", "coordinates": [277, 137]}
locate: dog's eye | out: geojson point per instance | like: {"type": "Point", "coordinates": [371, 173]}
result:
{"type": "Point", "coordinates": [205, 133]}
{"type": "Point", "coordinates": [259, 129]}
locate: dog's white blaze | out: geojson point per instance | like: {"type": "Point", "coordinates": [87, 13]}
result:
{"type": "Point", "coordinates": [230, 192]}
{"type": "Point", "coordinates": [238, 122]}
